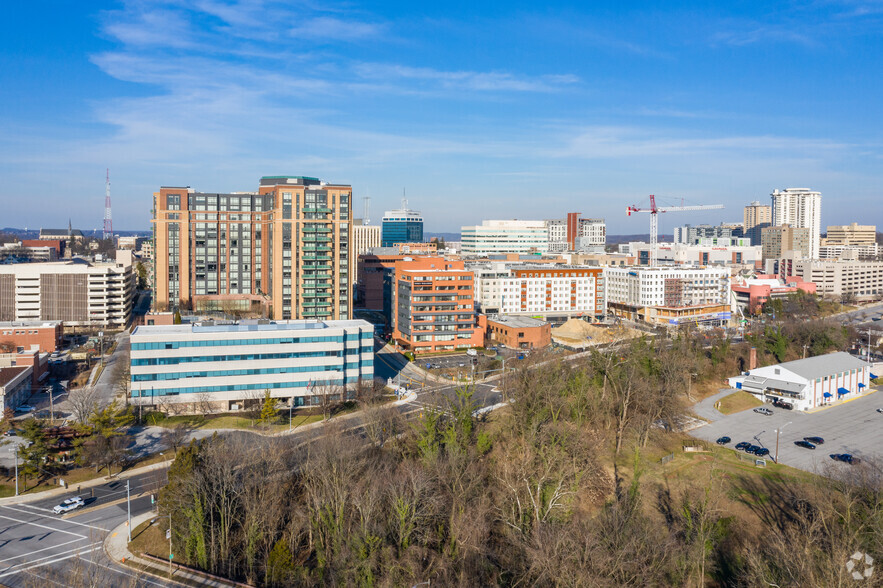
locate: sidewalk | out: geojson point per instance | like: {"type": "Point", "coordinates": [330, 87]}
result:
{"type": "Point", "coordinates": [843, 401]}
{"type": "Point", "coordinates": [61, 490]}
{"type": "Point", "coordinates": [116, 548]}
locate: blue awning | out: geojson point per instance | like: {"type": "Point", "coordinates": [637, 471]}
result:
{"type": "Point", "coordinates": [842, 391]}
{"type": "Point", "coordinates": [860, 385]}
{"type": "Point", "coordinates": [873, 377]}
{"type": "Point", "coordinates": [827, 395]}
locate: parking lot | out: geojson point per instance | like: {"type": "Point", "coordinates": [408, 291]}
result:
{"type": "Point", "coordinates": [853, 427]}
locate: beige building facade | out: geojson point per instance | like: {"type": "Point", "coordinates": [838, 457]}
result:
{"type": "Point", "coordinates": [286, 247]}
{"type": "Point", "coordinates": [778, 241]}
{"type": "Point", "coordinates": [851, 234]}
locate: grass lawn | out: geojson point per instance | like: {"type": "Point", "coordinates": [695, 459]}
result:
{"type": "Point", "coordinates": [147, 538]}
{"type": "Point", "coordinates": [239, 421]}
{"type": "Point", "coordinates": [737, 402]}
{"type": "Point", "coordinates": [743, 489]}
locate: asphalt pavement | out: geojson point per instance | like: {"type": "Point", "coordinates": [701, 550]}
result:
{"type": "Point", "coordinates": [38, 547]}
{"type": "Point", "coordinates": [851, 427]}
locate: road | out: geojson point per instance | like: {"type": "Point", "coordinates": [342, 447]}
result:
{"type": "Point", "coordinates": [39, 548]}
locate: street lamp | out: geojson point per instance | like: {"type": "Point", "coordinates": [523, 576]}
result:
{"type": "Point", "coordinates": [777, 439]}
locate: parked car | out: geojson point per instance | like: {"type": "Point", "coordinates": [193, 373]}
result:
{"type": "Point", "coordinates": [880, 410]}
{"type": "Point", "coordinates": [723, 440]}
{"type": "Point", "coordinates": [805, 444]}
{"type": "Point", "coordinates": [25, 408]}
{"type": "Point", "coordinates": [752, 449]}
{"type": "Point", "coordinates": [68, 505]}
{"type": "Point", "coordinates": [742, 445]}
{"type": "Point", "coordinates": [763, 410]}
{"type": "Point", "coordinates": [815, 440]}
{"type": "Point", "coordinates": [845, 458]}
{"type": "Point", "coordinates": [785, 405]}
{"type": "Point", "coordinates": [762, 452]}
{"type": "Point", "coordinates": [10, 433]}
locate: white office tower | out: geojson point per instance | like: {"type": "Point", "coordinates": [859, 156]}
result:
{"type": "Point", "coordinates": [800, 208]}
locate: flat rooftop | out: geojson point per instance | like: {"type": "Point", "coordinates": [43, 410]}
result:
{"type": "Point", "coordinates": [246, 326]}
{"type": "Point", "coordinates": [29, 324]}
{"type": "Point", "coordinates": [517, 322]}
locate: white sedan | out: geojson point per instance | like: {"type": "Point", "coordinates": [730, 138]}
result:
{"type": "Point", "coordinates": [69, 505]}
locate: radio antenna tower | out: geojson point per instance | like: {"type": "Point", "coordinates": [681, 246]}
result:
{"type": "Point", "coordinates": [366, 217]}
{"type": "Point", "coordinates": [108, 222]}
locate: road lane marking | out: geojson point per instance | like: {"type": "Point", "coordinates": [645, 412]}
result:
{"type": "Point", "coordinates": [42, 559]}
{"type": "Point", "coordinates": [46, 563]}
{"type": "Point", "coordinates": [42, 526]}
{"type": "Point", "coordinates": [59, 519]}
{"type": "Point", "coordinates": [44, 549]}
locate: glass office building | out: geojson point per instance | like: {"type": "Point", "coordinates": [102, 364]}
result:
{"type": "Point", "coordinates": [228, 365]}
{"type": "Point", "coordinates": [401, 226]}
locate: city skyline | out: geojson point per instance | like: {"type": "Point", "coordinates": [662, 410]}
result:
{"type": "Point", "coordinates": [479, 113]}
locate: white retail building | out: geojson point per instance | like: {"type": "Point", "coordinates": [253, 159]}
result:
{"type": "Point", "coordinates": [807, 383]}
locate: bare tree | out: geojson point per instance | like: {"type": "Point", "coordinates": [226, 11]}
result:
{"type": "Point", "coordinates": [326, 395]}
{"type": "Point", "coordinates": [203, 404]}
{"type": "Point", "coordinates": [83, 402]}
{"type": "Point", "coordinates": [176, 436]}
{"type": "Point", "coordinates": [121, 375]}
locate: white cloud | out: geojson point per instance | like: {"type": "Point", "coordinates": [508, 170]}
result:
{"type": "Point", "coordinates": [470, 80]}
{"type": "Point", "coordinates": [332, 29]}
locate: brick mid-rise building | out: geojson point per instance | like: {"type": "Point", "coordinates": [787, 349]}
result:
{"type": "Point", "coordinates": [45, 335]}
{"type": "Point", "coordinates": [434, 306]}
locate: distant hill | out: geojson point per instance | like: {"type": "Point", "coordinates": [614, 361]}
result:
{"type": "Point", "coordinates": [445, 236]}
{"type": "Point", "coordinates": [34, 233]}
{"type": "Point", "coordinates": [615, 239]}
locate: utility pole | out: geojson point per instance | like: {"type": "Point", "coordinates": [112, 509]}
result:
{"type": "Point", "coordinates": [51, 407]}
{"type": "Point", "coordinates": [129, 511]}
{"type": "Point", "coordinates": [14, 451]}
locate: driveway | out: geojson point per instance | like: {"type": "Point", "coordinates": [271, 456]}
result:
{"type": "Point", "coordinates": [852, 427]}
{"type": "Point", "coordinates": [705, 408]}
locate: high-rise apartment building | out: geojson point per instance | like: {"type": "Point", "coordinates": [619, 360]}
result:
{"type": "Point", "coordinates": [851, 234]}
{"type": "Point", "coordinates": [800, 208]}
{"type": "Point", "coordinates": [286, 245]}
{"type": "Point", "coordinates": [401, 226]}
{"type": "Point", "coordinates": [756, 217]}
{"type": "Point", "coordinates": [777, 241]}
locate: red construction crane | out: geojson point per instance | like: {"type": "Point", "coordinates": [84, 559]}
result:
{"type": "Point", "coordinates": [654, 220]}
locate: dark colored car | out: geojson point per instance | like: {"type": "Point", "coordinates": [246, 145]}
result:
{"type": "Point", "coordinates": [762, 452]}
{"type": "Point", "coordinates": [814, 440]}
{"type": "Point", "coordinates": [752, 449]}
{"type": "Point", "coordinates": [785, 405]}
{"type": "Point", "coordinates": [723, 440]}
{"type": "Point", "coordinates": [846, 458]}
{"type": "Point", "coordinates": [742, 445]}
{"type": "Point", "coordinates": [805, 444]}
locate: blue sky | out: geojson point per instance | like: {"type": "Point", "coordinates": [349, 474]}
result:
{"type": "Point", "coordinates": [478, 110]}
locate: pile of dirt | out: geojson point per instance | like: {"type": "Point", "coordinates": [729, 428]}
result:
{"type": "Point", "coordinates": [579, 333]}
